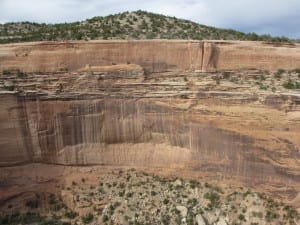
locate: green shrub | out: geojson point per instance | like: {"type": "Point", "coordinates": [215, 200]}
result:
{"type": "Point", "coordinates": [64, 69]}
{"type": "Point", "coordinates": [153, 193]}
{"type": "Point", "coordinates": [193, 202]}
{"type": "Point", "coordinates": [52, 199]}
{"type": "Point", "coordinates": [101, 190]}
{"type": "Point", "coordinates": [10, 88]}
{"type": "Point", "coordinates": [291, 84]}
{"type": "Point", "coordinates": [262, 86]}
{"type": "Point", "coordinates": [121, 193]}
{"type": "Point", "coordinates": [32, 204]}
{"type": "Point", "coordinates": [242, 217]}
{"type": "Point", "coordinates": [166, 201]}
{"type": "Point", "coordinates": [105, 218]}
{"type": "Point", "coordinates": [291, 213]}
{"type": "Point", "coordinates": [257, 214]}
{"type": "Point", "coordinates": [194, 184]}
{"type": "Point", "coordinates": [213, 197]}
{"type": "Point", "coordinates": [270, 215]}
{"type": "Point", "coordinates": [297, 71]}
{"type": "Point", "coordinates": [71, 214]}
{"type": "Point", "coordinates": [20, 74]}
{"type": "Point", "coordinates": [279, 73]}
{"type": "Point", "coordinates": [122, 185]}
{"type": "Point", "coordinates": [112, 207]}
{"type": "Point", "coordinates": [165, 219]}
{"type": "Point", "coordinates": [262, 77]}
{"type": "Point", "coordinates": [6, 72]}
{"type": "Point", "coordinates": [226, 75]}
{"type": "Point", "coordinates": [87, 218]}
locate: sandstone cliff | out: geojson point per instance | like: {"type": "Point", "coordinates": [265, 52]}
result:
{"type": "Point", "coordinates": [153, 56]}
{"type": "Point", "coordinates": [147, 104]}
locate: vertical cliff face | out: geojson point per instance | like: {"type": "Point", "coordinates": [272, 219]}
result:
{"type": "Point", "coordinates": [141, 133]}
{"type": "Point", "coordinates": [12, 141]}
{"type": "Point", "coordinates": [153, 56]}
{"type": "Point", "coordinates": [83, 132]}
{"type": "Point", "coordinates": [152, 104]}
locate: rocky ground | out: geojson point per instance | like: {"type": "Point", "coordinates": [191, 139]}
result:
{"type": "Point", "coordinates": [128, 196]}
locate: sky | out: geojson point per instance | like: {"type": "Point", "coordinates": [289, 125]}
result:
{"type": "Point", "coordinates": [275, 17]}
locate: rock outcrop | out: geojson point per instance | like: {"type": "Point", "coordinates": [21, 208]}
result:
{"type": "Point", "coordinates": [153, 56]}
{"type": "Point", "coordinates": [149, 104]}
{"type": "Point", "coordinates": [200, 220]}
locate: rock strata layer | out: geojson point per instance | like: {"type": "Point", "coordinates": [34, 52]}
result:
{"type": "Point", "coordinates": [153, 104]}
{"type": "Point", "coordinates": [153, 56]}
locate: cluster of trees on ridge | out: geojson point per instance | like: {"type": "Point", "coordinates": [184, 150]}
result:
{"type": "Point", "coordinates": [127, 25]}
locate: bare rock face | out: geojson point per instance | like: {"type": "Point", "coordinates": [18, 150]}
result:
{"type": "Point", "coordinates": [153, 56]}
{"type": "Point", "coordinates": [150, 104]}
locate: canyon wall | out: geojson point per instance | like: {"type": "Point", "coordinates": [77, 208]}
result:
{"type": "Point", "coordinates": [146, 104]}
{"type": "Point", "coordinates": [216, 142]}
{"type": "Point", "coordinates": [153, 56]}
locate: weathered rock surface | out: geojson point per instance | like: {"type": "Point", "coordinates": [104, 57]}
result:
{"type": "Point", "coordinates": [200, 220]}
{"type": "Point", "coordinates": [153, 109]}
{"type": "Point", "coordinates": [153, 56]}
{"type": "Point", "coordinates": [221, 221]}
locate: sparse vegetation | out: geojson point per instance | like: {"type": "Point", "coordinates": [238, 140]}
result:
{"type": "Point", "coordinates": [214, 199]}
{"type": "Point", "coordinates": [127, 25]}
{"type": "Point", "coordinates": [20, 74]}
{"type": "Point", "coordinates": [290, 84]}
{"type": "Point", "coordinates": [257, 214]}
{"type": "Point", "coordinates": [52, 199]}
{"type": "Point", "coordinates": [71, 214]}
{"type": "Point", "coordinates": [226, 75]}
{"type": "Point", "coordinates": [87, 218]}
{"type": "Point", "coordinates": [33, 203]}
{"type": "Point", "coordinates": [148, 195]}
{"type": "Point", "coordinates": [242, 217]}
{"type": "Point", "coordinates": [271, 215]}
{"type": "Point", "coordinates": [63, 69]}
{"type": "Point", "coordinates": [279, 73]}
{"type": "Point", "coordinates": [6, 72]}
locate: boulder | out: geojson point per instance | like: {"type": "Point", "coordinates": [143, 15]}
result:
{"type": "Point", "coordinates": [221, 222]}
{"type": "Point", "coordinates": [183, 210]}
{"type": "Point", "coordinates": [200, 220]}
{"type": "Point", "coordinates": [177, 182]}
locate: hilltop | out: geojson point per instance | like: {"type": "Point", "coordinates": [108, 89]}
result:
{"type": "Point", "coordinates": [127, 25]}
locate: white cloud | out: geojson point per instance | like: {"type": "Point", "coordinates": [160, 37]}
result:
{"type": "Point", "coordinates": [279, 17]}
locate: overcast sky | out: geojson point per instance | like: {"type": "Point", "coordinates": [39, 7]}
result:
{"type": "Point", "coordinates": [276, 17]}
